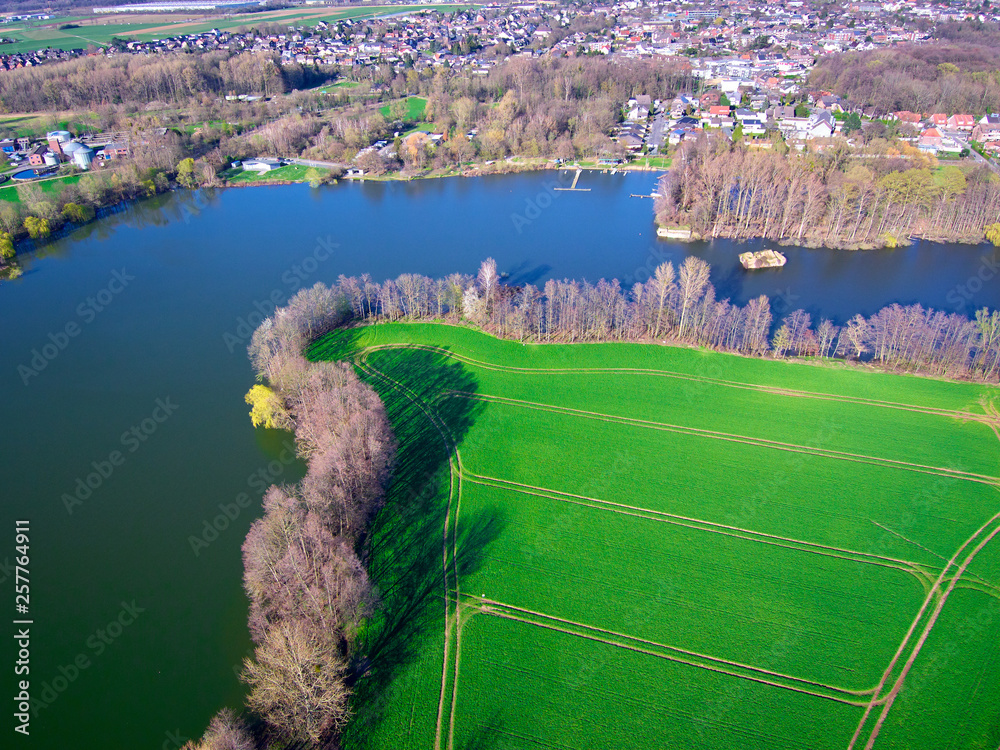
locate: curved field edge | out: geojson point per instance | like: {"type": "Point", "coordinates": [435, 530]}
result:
{"type": "Point", "coordinates": [782, 374]}
{"type": "Point", "coordinates": [467, 347]}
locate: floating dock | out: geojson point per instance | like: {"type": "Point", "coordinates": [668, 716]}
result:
{"type": "Point", "coordinates": [763, 259]}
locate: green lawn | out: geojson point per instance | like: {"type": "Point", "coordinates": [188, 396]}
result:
{"type": "Point", "coordinates": [50, 185]}
{"type": "Point", "coordinates": [415, 107]}
{"type": "Point", "coordinates": [288, 173]}
{"type": "Point", "coordinates": [652, 546]}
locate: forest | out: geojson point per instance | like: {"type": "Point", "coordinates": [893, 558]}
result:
{"type": "Point", "coordinates": [98, 81]}
{"type": "Point", "coordinates": [836, 198]}
{"type": "Point", "coordinates": [960, 74]}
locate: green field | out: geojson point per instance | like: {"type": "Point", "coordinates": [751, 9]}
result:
{"type": "Point", "coordinates": [415, 108]}
{"type": "Point", "coordinates": [287, 173]}
{"type": "Point", "coordinates": [636, 546]}
{"type": "Point", "coordinates": [49, 185]}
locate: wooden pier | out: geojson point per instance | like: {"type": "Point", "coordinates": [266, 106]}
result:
{"type": "Point", "coordinates": [573, 187]}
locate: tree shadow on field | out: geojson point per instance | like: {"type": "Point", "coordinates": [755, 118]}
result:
{"type": "Point", "coordinates": [403, 552]}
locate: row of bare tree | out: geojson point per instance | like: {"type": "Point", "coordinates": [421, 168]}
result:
{"type": "Point", "coordinates": [832, 199]}
{"type": "Point", "coordinates": [678, 305]}
{"type": "Point", "coordinates": [308, 588]}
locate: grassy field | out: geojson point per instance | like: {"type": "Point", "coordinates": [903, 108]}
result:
{"type": "Point", "coordinates": [634, 546]}
{"type": "Point", "coordinates": [99, 30]}
{"type": "Point", "coordinates": [287, 173]}
{"type": "Point", "coordinates": [49, 185]}
{"type": "Point", "coordinates": [415, 108]}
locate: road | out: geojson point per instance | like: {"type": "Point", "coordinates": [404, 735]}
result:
{"type": "Point", "coordinates": [656, 132]}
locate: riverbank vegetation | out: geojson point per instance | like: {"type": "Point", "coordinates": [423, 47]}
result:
{"type": "Point", "coordinates": [836, 198]}
{"type": "Point", "coordinates": [308, 589]}
{"type": "Point", "coordinates": [679, 305]}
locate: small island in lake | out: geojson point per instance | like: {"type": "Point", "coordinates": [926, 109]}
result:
{"type": "Point", "coordinates": [763, 259]}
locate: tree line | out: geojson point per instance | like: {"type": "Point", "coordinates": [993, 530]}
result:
{"type": "Point", "coordinates": [834, 198]}
{"type": "Point", "coordinates": [306, 583]}
{"type": "Point", "coordinates": [679, 305]}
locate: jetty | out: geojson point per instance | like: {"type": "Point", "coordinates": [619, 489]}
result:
{"type": "Point", "coordinates": [576, 179]}
{"type": "Point", "coordinates": [763, 259]}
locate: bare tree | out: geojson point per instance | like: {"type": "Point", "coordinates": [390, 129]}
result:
{"type": "Point", "coordinates": [297, 684]}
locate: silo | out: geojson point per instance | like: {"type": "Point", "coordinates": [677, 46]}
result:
{"type": "Point", "coordinates": [83, 156]}
{"type": "Point", "coordinates": [51, 159]}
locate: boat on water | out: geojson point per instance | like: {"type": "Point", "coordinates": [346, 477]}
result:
{"type": "Point", "coordinates": [763, 259]}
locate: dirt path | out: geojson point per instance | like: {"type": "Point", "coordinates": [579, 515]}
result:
{"type": "Point", "coordinates": [897, 686]}
{"type": "Point", "coordinates": [509, 612]}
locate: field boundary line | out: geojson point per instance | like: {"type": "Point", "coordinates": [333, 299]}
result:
{"type": "Point", "coordinates": [509, 484]}
{"type": "Point", "coordinates": [735, 532]}
{"type": "Point", "coordinates": [510, 612]}
{"type": "Point", "coordinates": [473, 600]}
{"type": "Point", "coordinates": [775, 390]}
{"type": "Point", "coordinates": [931, 596]}
{"type": "Point", "coordinates": [735, 438]}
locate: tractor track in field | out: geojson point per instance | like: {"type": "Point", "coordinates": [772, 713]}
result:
{"type": "Point", "coordinates": [776, 390]}
{"type": "Point", "coordinates": [906, 566]}
{"type": "Point", "coordinates": [681, 656]}
{"type": "Point", "coordinates": [454, 620]}
{"type": "Point", "coordinates": [735, 438]}
{"type": "Point", "coordinates": [889, 698]}
{"type": "Point", "coordinates": [450, 619]}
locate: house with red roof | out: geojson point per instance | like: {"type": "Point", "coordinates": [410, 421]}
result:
{"type": "Point", "coordinates": [930, 139]}
{"type": "Point", "coordinates": [962, 122]}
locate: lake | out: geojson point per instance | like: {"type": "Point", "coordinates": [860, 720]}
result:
{"type": "Point", "coordinates": [124, 367]}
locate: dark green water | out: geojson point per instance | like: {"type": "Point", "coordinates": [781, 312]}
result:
{"type": "Point", "coordinates": [193, 272]}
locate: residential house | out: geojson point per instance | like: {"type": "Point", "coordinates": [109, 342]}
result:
{"type": "Point", "coordinates": [962, 122]}
{"type": "Point", "coordinates": [930, 140]}
{"type": "Point", "coordinates": [987, 130]}
{"type": "Point", "coordinates": [830, 102]}
{"type": "Point", "coordinates": [938, 120]}
{"type": "Point", "coordinates": [710, 99]}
